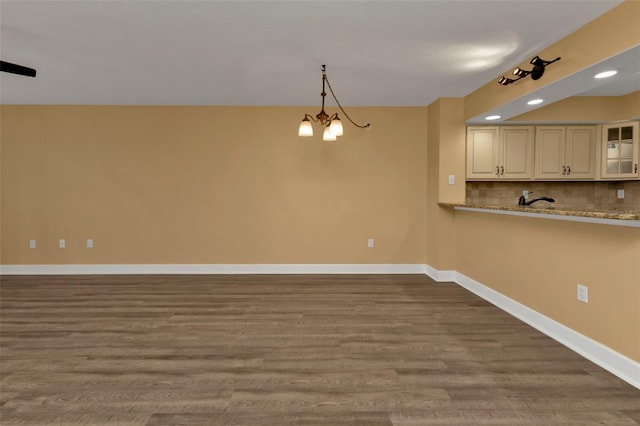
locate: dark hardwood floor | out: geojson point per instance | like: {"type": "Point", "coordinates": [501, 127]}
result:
{"type": "Point", "coordinates": [285, 350]}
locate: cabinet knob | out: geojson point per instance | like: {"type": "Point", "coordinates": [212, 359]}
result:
{"type": "Point", "coordinates": [568, 170]}
{"type": "Point", "coordinates": [497, 170]}
{"type": "Point", "coordinates": [635, 170]}
{"type": "Point", "coordinates": [564, 170]}
{"type": "Point", "coordinates": [501, 170]}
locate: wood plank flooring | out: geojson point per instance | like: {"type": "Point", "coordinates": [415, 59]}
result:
{"type": "Point", "coordinates": [285, 350]}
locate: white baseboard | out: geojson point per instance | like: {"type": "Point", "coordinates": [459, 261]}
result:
{"type": "Point", "coordinates": [440, 276]}
{"type": "Point", "coordinates": [212, 269]}
{"type": "Point", "coordinates": [612, 361]}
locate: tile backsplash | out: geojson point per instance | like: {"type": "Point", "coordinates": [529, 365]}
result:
{"type": "Point", "coordinates": [591, 196]}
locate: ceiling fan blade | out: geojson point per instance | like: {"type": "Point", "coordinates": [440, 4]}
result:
{"type": "Point", "coordinates": [17, 69]}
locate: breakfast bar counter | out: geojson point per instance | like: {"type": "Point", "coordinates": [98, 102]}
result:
{"type": "Point", "coordinates": [606, 217]}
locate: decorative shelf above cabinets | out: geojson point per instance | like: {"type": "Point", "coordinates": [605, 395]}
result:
{"type": "Point", "coordinates": [500, 153]}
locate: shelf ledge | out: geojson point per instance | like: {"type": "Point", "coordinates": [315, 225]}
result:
{"type": "Point", "coordinates": [603, 218]}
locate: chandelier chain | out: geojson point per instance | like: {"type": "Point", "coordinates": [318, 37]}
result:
{"type": "Point", "coordinates": [340, 106]}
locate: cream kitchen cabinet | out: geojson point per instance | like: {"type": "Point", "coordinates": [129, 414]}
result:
{"type": "Point", "coordinates": [500, 153]}
{"type": "Point", "coordinates": [620, 151]}
{"type": "Point", "coordinates": [565, 152]}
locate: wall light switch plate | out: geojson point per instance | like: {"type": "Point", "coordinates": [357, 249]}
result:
{"type": "Point", "coordinates": [452, 179]}
{"type": "Point", "coordinates": [89, 243]}
{"type": "Point", "coordinates": [583, 293]}
{"type": "Point", "coordinates": [620, 194]}
{"type": "Point", "coordinates": [370, 243]}
{"type": "Point", "coordinates": [61, 243]}
{"type": "Point", "coordinates": [32, 244]}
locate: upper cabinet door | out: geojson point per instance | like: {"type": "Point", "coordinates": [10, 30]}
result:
{"type": "Point", "coordinates": [482, 153]}
{"type": "Point", "coordinates": [620, 151]}
{"type": "Point", "coordinates": [565, 153]}
{"type": "Point", "coordinates": [500, 153]}
{"type": "Point", "coordinates": [580, 152]}
{"type": "Point", "coordinates": [516, 149]}
{"type": "Point", "coordinates": [550, 147]}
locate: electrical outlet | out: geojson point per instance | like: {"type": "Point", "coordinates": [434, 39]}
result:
{"type": "Point", "coordinates": [452, 179]}
{"type": "Point", "coordinates": [32, 244]}
{"type": "Point", "coordinates": [370, 243]}
{"type": "Point", "coordinates": [620, 194]}
{"type": "Point", "coordinates": [61, 243]}
{"type": "Point", "coordinates": [89, 243]}
{"type": "Point", "coordinates": [525, 194]}
{"type": "Point", "coordinates": [583, 293]}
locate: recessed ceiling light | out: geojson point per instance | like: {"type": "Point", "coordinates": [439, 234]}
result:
{"type": "Point", "coordinates": [493, 117]}
{"type": "Point", "coordinates": [606, 74]}
{"type": "Point", "coordinates": [535, 101]}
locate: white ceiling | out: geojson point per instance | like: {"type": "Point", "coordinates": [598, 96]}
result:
{"type": "Point", "coordinates": [383, 53]}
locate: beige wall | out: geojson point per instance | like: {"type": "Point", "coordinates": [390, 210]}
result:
{"type": "Point", "coordinates": [539, 262]}
{"type": "Point", "coordinates": [451, 140]}
{"type": "Point", "coordinates": [446, 147]}
{"type": "Point", "coordinates": [592, 109]}
{"type": "Point", "coordinates": [630, 106]}
{"type": "Point", "coordinates": [210, 185]}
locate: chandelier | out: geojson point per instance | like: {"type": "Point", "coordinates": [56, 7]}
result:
{"type": "Point", "coordinates": [332, 123]}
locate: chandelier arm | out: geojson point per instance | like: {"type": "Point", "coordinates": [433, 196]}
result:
{"type": "Point", "coordinates": [315, 120]}
{"type": "Point", "coordinates": [340, 106]}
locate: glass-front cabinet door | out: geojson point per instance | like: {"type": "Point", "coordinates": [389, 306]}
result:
{"type": "Point", "coordinates": [620, 150]}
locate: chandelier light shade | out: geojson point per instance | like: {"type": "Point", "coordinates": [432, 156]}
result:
{"type": "Point", "coordinates": [328, 135]}
{"type": "Point", "coordinates": [336, 126]}
{"type": "Point", "coordinates": [306, 129]}
{"type": "Point", "coordinates": [332, 124]}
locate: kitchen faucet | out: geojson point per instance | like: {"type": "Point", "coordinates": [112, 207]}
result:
{"type": "Point", "coordinates": [523, 202]}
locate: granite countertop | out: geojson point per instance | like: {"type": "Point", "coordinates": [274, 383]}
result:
{"type": "Point", "coordinates": [599, 214]}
